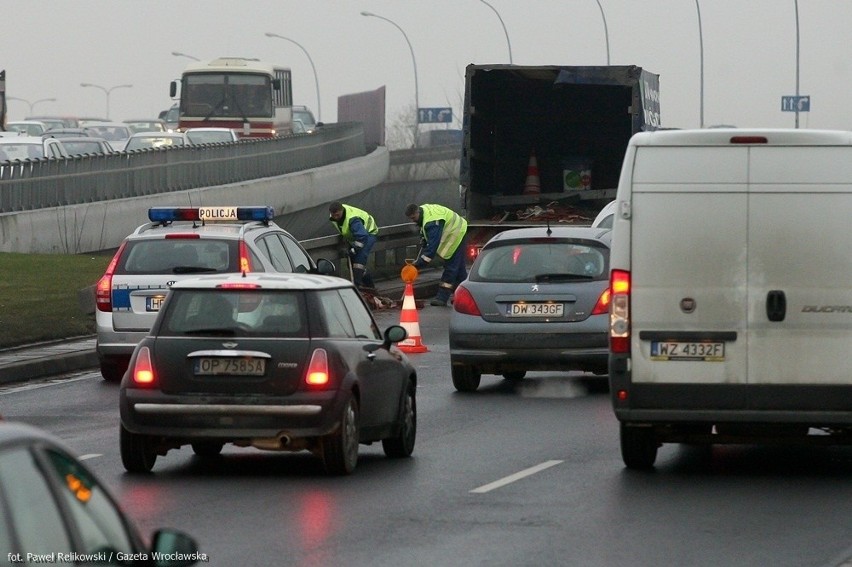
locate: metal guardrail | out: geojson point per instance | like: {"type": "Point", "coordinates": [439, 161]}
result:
{"type": "Point", "coordinates": [36, 184]}
{"type": "Point", "coordinates": [396, 244]}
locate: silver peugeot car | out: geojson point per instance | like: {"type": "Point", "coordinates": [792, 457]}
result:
{"type": "Point", "coordinates": [535, 299]}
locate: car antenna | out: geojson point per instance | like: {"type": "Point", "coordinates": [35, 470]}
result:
{"type": "Point", "coordinates": [549, 232]}
{"type": "Point", "coordinates": [189, 197]}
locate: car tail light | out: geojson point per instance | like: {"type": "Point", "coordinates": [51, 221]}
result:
{"type": "Point", "coordinates": [463, 302]}
{"type": "Point", "coordinates": [602, 306]}
{"type": "Point", "coordinates": [143, 370]}
{"type": "Point", "coordinates": [619, 316]}
{"type": "Point", "coordinates": [103, 290]}
{"type": "Point", "coordinates": [317, 375]}
{"type": "Point", "coordinates": [245, 257]}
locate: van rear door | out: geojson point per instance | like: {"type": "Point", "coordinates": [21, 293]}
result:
{"type": "Point", "coordinates": [689, 273]}
{"type": "Point", "coordinates": [800, 269]}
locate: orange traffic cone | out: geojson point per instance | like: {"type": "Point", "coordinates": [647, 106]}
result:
{"type": "Point", "coordinates": [408, 319]}
{"type": "Point", "coordinates": [532, 186]}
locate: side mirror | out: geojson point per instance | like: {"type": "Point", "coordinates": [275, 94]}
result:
{"type": "Point", "coordinates": [395, 333]}
{"type": "Point", "coordinates": [326, 267]}
{"type": "Point", "coordinates": [173, 89]}
{"type": "Point", "coordinates": [276, 84]}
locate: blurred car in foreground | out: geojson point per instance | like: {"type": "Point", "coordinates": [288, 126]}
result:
{"type": "Point", "coordinates": [30, 147]}
{"type": "Point", "coordinates": [54, 508]}
{"type": "Point", "coordinates": [535, 299]}
{"type": "Point", "coordinates": [146, 125]}
{"type": "Point", "coordinates": [86, 145]}
{"type": "Point", "coordinates": [179, 243]}
{"type": "Point", "coordinates": [277, 362]}
{"type": "Point", "coordinates": [155, 141]}
{"type": "Point", "coordinates": [200, 136]}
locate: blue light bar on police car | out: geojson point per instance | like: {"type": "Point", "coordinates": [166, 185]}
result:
{"type": "Point", "coordinates": [207, 214]}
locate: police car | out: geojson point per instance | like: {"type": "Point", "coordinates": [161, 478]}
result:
{"type": "Point", "coordinates": [182, 242]}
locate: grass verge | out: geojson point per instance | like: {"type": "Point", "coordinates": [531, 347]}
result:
{"type": "Point", "coordinates": [39, 296]}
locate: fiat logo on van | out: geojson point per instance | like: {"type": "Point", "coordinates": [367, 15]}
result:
{"type": "Point", "coordinates": [687, 305]}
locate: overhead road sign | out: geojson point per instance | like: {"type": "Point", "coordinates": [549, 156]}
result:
{"type": "Point", "coordinates": [434, 115]}
{"type": "Point", "coordinates": [796, 103]}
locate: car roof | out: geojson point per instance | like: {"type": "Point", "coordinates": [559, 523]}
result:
{"type": "Point", "coordinates": [220, 229]}
{"type": "Point", "coordinates": [37, 140]}
{"type": "Point", "coordinates": [266, 281]}
{"type": "Point", "coordinates": [599, 234]}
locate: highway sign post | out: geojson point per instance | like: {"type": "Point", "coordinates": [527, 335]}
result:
{"type": "Point", "coordinates": [441, 115]}
{"type": "Point", "coordinates": [796, 103]}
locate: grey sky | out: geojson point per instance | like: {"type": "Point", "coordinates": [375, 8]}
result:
{"type": "Point", "coordinates": [49, 47]}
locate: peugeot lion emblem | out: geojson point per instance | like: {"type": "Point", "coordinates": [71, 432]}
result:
{"type": "Point", "coordinates": [229, 345]}
{"type": "Point", "coordinates": [535, 287]}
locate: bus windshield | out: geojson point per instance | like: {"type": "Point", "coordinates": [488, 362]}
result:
{"type": "Point", "coordinates": [211, 95]}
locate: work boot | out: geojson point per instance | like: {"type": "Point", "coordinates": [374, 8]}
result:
{"type": "Point", "coordinates": [438, 302]}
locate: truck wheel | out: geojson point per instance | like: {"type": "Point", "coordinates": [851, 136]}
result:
{"type": "Point", "coordinates": [515, 376]}
{"type": "Point", "coordinates": [466, 378]}
{"type": "Point", "coordinates": [340, 449]}
{"type": "Point", "coordinates": [638, 447]}
{"type": "Point", "coordinates": [137, 453]}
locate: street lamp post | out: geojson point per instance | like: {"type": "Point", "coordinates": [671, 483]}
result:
{"type": "Point", "coordinates": [505, 32]}
{"type": "Point", "coordinates": [606, 30]}
{"type": "Point", "coordinates": [107, 91]}
{"type": "Point", "coordinates": [31, 104]}
{"type": "Point", "coordinates": [796, 4]}
{"type": "Point", "coordinates": [311, 61]}
{"type": "Point", "coordinates": [179, 54]}
{"type": "Point", "coordinates": [701, 55]}
{"type": "Point", "coordinates": [413, 60]}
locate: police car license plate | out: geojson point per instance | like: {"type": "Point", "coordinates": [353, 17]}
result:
{"type": "Point", "coordinates": [534, 310]}
{"type": "Point", "coordinates": [154, 302]}
{"type": "Point", "coordinates": [672, 350]}
{"type": "Point", "coordinates": [230, 366]}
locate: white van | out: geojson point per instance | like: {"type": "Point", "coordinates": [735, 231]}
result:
{"type": "Point", "coordinates": [731, 272]}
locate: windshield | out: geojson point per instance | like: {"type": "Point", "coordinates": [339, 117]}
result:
{"type": "Point", "coordinates": [537, 261]}
{"type": "Point", "coordinates": [225, 95]}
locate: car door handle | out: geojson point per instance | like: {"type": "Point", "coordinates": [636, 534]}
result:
{"type": "Point", "coordinates": [776, 305]}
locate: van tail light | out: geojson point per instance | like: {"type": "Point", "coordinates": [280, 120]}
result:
{"type": "Point", "coordinates": [619, 315]}
{"type": "Point", "coordinates": [463, 302]}
{"type": "Point", "coordinates": [143, 370]}
{"type": "Point", "coordinates": [103, 289]}
{"type": "Point", "coordinates": [245, 257]}
{"type": "Point", "coordinates": [602, 306]}
{"type": "Point", "coordinates": [317, 375]}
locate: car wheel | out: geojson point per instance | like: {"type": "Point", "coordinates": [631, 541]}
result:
{"type": "Point", "coordinates": [466, 378]}
{"type": "Point", "coordinates": [515, 376]}
{"type": "Point", "coordinates": [402, 445]}
{"type": "Point", "coordinates": [137, 453]}
{"type": "Point", "coordinates": [207, 448]}
{"type": "Point", "coordinates": [340, 449]}
{"type": "Point", "coordinates": [113, 371]}
{"type": "Point", "coordinates": [638, 447]}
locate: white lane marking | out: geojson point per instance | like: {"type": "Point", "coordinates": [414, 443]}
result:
{"type": "Point", "coordinates": [89, 456]}
{"type": "Point", "coordinates": [514, 477]}
{"type": "Point", "coordinates": [44, 383]}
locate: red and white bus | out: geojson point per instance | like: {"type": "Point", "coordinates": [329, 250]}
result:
{"type": "Point", "coordinates": [250, 96]}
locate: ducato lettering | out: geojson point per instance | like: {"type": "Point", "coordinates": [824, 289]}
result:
{"type": "Point", "coordinates": [827, 309]}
